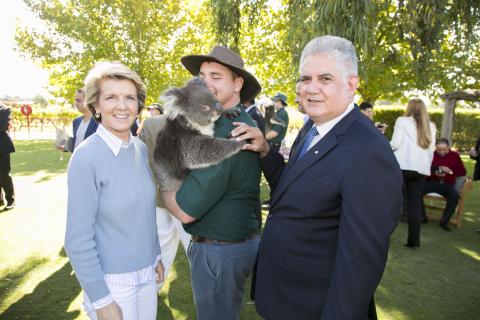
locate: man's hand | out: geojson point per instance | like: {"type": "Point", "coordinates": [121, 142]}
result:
{"type": "Point", "coordinates": [110, 312]}
{"type": "Point", "coordinates": [255, 138]}
{"type": "Point", "coordinates": [446, 170]}
{"type": "Point", "coordinates": [160, 270]}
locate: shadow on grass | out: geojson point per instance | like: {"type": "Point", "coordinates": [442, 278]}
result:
{"type": "Point", "coordinates": [179, 294]}
{"type": "Point", "coordinates": [33, 156]}
{"type": "Point", "coordinates": [14, 279]}
{"type": "Point", "coordinates": [438, 281]}
{"type": "Point", "coordinates": [61, 288]}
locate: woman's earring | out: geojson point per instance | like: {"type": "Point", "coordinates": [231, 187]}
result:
{"type": "Point", "coordinates": [97, 115]}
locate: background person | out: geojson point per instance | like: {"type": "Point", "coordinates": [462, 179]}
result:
{"type": "Point", "coordinates": [83, 126]}
{"type": "Point", "coordinates": [254, 113]}
{"type": "Point", "coordinates": [276, 135]}
{"type": "Point", "coordinates": [413, 142]}
{"type": "Point", "coordinates": [475, 155]}
{"type": "Point", "coordinates": [111, 237]}
{"type": "Point", "coordinates": [155, 109]}
{"type": "Point", "coordinates": [6, 147]}
{"type": "Point", "coordinates": [299, 104]}
{"type": "Point", "coordinates": [367, 109]}
{"type": "Point", "coordinates": [446, 167]}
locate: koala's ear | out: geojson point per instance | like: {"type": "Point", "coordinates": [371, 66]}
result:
{"type": "Point", "coordinates": [177, 93]}
{"type": "Point", "coordinates": [197, 81]}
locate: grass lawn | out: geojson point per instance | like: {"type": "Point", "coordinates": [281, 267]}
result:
{"type": "Point", "coordinates": [440, 280]}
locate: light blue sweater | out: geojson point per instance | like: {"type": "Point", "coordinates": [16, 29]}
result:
{"type": "Point", "coordinates": [111, 226]}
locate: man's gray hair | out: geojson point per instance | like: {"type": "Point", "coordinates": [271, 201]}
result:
{"type": "Point", "coordinates": [341, 49]}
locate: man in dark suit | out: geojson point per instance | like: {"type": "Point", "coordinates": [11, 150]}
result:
{"type": "Point", "coordinates": [333, 205]}
{"type": "Point", "coordinates": [254, 113]}
{"type": "Point", "coordinates": [6, 147]}
{"type": "Point", "coordinates": [84, 125]}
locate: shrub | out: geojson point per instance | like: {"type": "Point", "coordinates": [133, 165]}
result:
{"type": "Point", "coordinates": [466, 124]}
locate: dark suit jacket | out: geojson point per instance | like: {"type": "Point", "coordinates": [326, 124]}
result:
{"type": "Point", "coordinates": [325, 242]}
{"type": "Point", "coordinates": [476, 172]}
{"type": "Point", "coordinates": [6, 144]}
{"type": "Point", "coordinates": [257, 116]}
{"type": "Point", "coordinates": [91, 129]}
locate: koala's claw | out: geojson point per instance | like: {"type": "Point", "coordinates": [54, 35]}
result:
{"type": "Point", "coordinates": [231, 113]}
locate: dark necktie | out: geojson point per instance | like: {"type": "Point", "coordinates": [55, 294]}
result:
{"type": "Point", "coordinates": [311, 135]}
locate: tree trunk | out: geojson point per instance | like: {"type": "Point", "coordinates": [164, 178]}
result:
{"type": "Point", "coordinates": [447, 121]}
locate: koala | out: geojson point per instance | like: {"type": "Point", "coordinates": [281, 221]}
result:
{"type": "Point", "coordinates": [187, 141]}
{"type": "Point", "coordinates": [271, 118]}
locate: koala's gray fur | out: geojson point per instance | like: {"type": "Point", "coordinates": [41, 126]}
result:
{"type": "Point", "coordinates": [187, 140]}
{"type": "Point", "coordinates": [271, 118]}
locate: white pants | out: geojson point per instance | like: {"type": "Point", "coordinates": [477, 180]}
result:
{"type": "Point", "coordinates": [170, 233]}
{"type": "Point", "coordinates": [136, 302]}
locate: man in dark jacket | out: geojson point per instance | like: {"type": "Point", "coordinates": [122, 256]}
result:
{"type": "Point", "coordinates": [475, 155]}
{"type": "Point", "coordinates": [254, 113]}
{"type": "Point", "coordinates": [6, 147]}
{"type": "Point", "coordinates": [84, 125]}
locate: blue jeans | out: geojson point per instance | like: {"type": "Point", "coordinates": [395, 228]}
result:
{"type": "Point", "coordinates": [219, 272]}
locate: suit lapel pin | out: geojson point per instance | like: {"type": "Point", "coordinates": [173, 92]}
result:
{"type": "Point", "coordinates": [316, 151]}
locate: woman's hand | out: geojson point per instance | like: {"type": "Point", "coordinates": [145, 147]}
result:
{"type": "Point", "coordinates": [110, 312]}
{"type": "Point", "coordinates": [160, 270]}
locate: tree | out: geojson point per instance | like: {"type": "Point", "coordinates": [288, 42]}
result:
{"type": "Point", "coordinates": [427, 45]}
{"type": "Point", "coordinates": [402, 45]}
{"type": "Point", "coordinates": [148, 36]}
{"type": "Point", "coordinates": [263, 34]}
{"type": "Point", "coordinates": [40, 101]}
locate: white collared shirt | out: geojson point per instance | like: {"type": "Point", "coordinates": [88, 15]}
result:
{"type": "Point", "coordinates": [250, 108]}
{"type": "Point", "coordinates": [81, 130]}
{"type": "Point", "coordinates": [324, 128]}
{"type": "Point", "coordinates": [112, 141]}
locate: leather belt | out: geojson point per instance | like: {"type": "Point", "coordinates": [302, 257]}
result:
{"type": "Point", "coordinates": [212, 241]}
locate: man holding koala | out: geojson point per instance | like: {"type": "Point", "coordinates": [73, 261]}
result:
{"type": "Point", "coordinates": [218, 204]}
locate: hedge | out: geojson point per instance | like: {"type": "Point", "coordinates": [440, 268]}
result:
{"type": "Point", "coordinates": [466, 124]}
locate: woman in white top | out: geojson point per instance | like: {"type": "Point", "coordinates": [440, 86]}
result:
{"type": "Point", "coordinates": [413, 143]}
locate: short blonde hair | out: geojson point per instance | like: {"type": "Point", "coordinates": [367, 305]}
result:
{"type": "Point", "coordinates": [111, 70]}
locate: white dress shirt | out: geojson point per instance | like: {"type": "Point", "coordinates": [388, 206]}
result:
{"type": "Point", "coordinates": [324, 128]}
{"type": "Point", "coordinates": [81, 130]}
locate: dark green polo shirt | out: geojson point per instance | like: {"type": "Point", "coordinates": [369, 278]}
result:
{"type": "Point", "coordinates": [282, 131]}
{"type": "Point", "coordinates": [223, 197]}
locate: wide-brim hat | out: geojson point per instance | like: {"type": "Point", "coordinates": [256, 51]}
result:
{"type": "Point", "coordinates": [281, 97]}
{"type": "Point", "coordinates": [251, 87]}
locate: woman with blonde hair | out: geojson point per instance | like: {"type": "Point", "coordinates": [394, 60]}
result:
{"type": "Point", "coordinates": [111, 235]}
{"type": "Point", "coordinates": [413, 143]}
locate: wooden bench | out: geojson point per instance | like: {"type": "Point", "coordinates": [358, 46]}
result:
{"type": "Point", "coordinates": [435, 203]}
